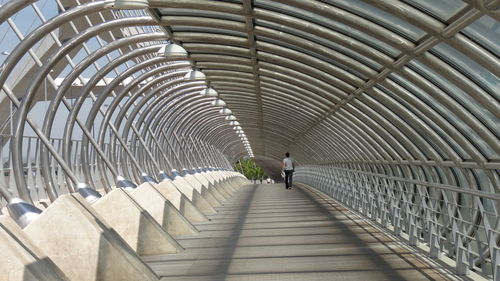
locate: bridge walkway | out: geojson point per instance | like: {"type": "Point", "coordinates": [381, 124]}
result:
{"type": "Point", "coordinates": [265, 233]}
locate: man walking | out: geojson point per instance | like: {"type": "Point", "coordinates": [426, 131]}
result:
{"type": "Point", "coordinates": [288, 167]}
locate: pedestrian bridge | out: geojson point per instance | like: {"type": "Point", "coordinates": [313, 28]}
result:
{"type": "Point", "coordinates": [124, 123]}
{"type": "Point", "coordinates": [265, 232]}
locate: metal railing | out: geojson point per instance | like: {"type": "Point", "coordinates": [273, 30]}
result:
{"type": "Point", "coordinates": [37, 186]}
{"type": "Point", "coordinates": [461, 222]}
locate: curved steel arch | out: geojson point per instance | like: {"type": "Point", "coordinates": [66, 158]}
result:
{"type": "Point", "coordinates": [67, 83]}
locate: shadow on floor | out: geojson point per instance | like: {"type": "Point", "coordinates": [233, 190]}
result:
{"type": "Point", "coordinates": [319, 200]}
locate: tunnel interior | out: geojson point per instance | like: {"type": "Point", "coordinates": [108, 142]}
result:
{"type": "Point", "coordinates": [390, 107]}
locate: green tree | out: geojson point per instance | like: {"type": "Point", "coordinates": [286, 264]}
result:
{"type": "Point", "coordinates": [250, 169]}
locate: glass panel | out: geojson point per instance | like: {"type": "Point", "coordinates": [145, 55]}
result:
{"type": "Point", "coordinates": [200, 13]}
{"type": "Point", "coordinates": [329, 23]}
{"type": "Point", "coordinates": [373, 119]}
{"type": "Point", "coordinates": [482, 180]}
{"type": "Point", "coordinates": [486, 32]}
{"type": "Point", "coordinates": [332, 45]}
{"type": "Point", "coordinates": [457, 94]}
{"type": "Point", "coordinates": [187, 28]}
{"type": "Point", "coordinates": [469, 68]}
{"type": "Point", "coordinates": [8, 41]}
{"type": "Point", "coordinates": [456, 121]}
{"type": "Point", "coordinates": [451, 142]}
{"type": "Point", "coordinates": [381, 99]}
{"type": "Point", "coordinates": [233, 1]}
{"type": "Point", "coordinates": [465, 201]}
{"type": "Point", "coordinates": [308, 52]}
{"type": "Point", "coordinates": [49, 8]}
{"type": "Point", "coordinates": [381, 18]}
{"type": "Point", "coordinates": [442, 9]}
{"type": "Point", "coordinates": [26, 20]}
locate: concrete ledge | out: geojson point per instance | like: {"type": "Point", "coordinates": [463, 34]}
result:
{"type": "Point", "coordinates": [218, 193]}
{"type": "Point", "coordinates": [202, 179]}
{"type": "Point", "coordinates": [214, 176]}
{"type": "Point", "coordinates": [222, 177]}
{"type": "Point", "coordinates": [42, 204]}
{"type": "Point", "coordinates": [181, 202]}
{"type": "Point", "coordinates": [211, 191]}
{"type": "Point", "coordinates": [162, 210]}
{"type": "Point", "coordinates": [229, 185]}
{"type": "Point", "coordinates": [77, 239]}
{"type": "Point", "coordinates": [212, 181]}
{"type": "Point", "coordinates": [199, 187]}
{"type": "Point", "coordinates": [20, 259]}
{"type": "Point", "coordinates": [201, 203]}
{"type": "Point", "coordinates": [223, 185]}
{"type": "Point", "coordinates": [222, 190]}
{"type": "Point", "coordinates": [136, 226]}
{"type": "Point", "coordinates": [184, 187]}
{"type": "Point", "coordinates": [236, 182]}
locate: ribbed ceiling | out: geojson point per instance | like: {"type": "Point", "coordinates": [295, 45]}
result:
{"type": "Point", "coordinates": [334, 81]}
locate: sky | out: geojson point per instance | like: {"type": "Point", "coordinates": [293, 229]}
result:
{"type": "Point", "coordinates": [26, 21]}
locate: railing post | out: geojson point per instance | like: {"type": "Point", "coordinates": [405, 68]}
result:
{"type": "Point", "coordinates": [460, 252]}
{"type": "Point", "coordinates": [434, 251]}
{"type": "Point", "coordinates": [495, 260]}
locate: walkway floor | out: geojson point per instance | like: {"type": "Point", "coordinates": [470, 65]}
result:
{"type": "Point", "coordinates": [268, 233]}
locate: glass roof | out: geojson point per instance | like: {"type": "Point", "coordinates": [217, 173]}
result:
{"type": "Point", "coordinates": [366, 41]}
{"type": "Point", "coordinates": [185, 28]}
{"type": "Point", "coordinates": [486, 32]}
{"type": "Point", "coordinates": [380, 17]}
{"type": "Point", "coordinates": [330, 23]}
{"type": "Point", "coordinates": [332, 45]}
{"type": "Point", "coordinates": [308, 52]}
{"type": "Point", "coordinates": [469, 67]}
{"type": "Point", "coordinates": [443, 9]}
{"type": "Point", "coordinates": [199, 13]}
